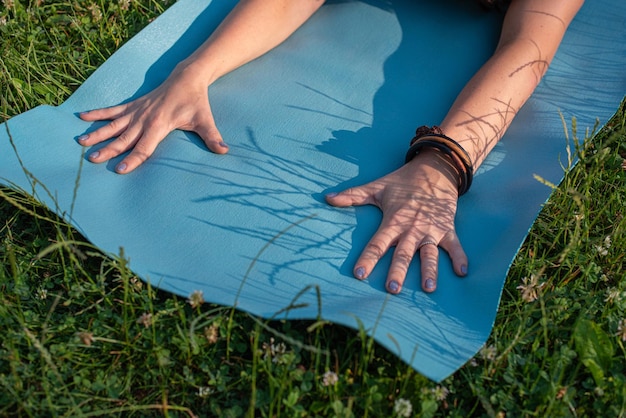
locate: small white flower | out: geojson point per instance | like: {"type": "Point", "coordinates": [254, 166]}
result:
{"type": "Point", "coordinates": [42, 293]}
{"type": "Point", "coordinates": [603, 249]}
{"type": "Point", "coordinates": [330, 378]}
{"type": "Point", "coordinates": [621, 329]}
{"type": "Point", "coordinates": [530, 288]}
{"type": "Point", "coordinates": [488, 352]}
{"type": "Point", "coordinates": [441, 393]}
{"type": "Point", "coordinates": [275, 351]}
{"type": "Point", "coordinates": [613, 295]}
{"type": "Point", "coordinates": [145, 319]}
{"type": "Point", "coordinates": [196, 298]}
{"type": "Point", "coordinates": [204, 391]}
{"type": "Point", "coordinates": [124, 4]}
{"type": "Point", "coordinates": [212, 333]}
{"type": "Point", "coordinates": [96, 13]}
{"type": "Point", "coordinates": [403, 408]}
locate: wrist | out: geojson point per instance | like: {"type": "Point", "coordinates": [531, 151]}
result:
{"type": "Point", "coordinates": [436, 161]}
{"type": "Point", "coordinates": [434, 139]}
{"type": "Point", "coordinates": [195, 71]}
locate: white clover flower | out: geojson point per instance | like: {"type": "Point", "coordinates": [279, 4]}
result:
{"type": "Point", "coordinates": [124, 4]}
{"type": "Point", "coordinates": [145, 319]}
{"type": "Point", "coordinates": [621, 329]}
{"type": "Point", "coordinates": [196, 298]}
{"type": "Point", "coordinates": [212, 333]}
{"type": "Point", "coordinates": [488, 352]}
{"type": "Point", "coordinates": [204, 391]}
{"type": "Point", "coordinates": [42, 293]}
{"type": "Point", "coordinates": [603, 249]}
{"type": "Point", "coordinates": [275, 351]}
{"type": "Point", "coordinates": [330, 378]}
{"type": "Point", "coordinates": [96, 13]}
{"type": "Point", "coordinates": [440, 393]}
{"type": "Point", "coordinates": [403, 408]}
{"type": "Point", "coordinates": [530, 288]}
{"type": "Point", "coordinates": [613, 295]}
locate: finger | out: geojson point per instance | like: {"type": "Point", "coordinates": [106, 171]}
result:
{"type": "Point", "coordinates": [402, 256]}
{"type": "Point", "coordinates": [429, 258]}
{"type": "Point", "coordinates": [142, 149]}
{"type": "Point", "coordinates": [375, 249]}
{"type": "Point", "coordinates": [207, 130]}
{"type": "Point", "coordinates": [354, 196]}
{"type": "Point", "coordinates": [108, 131]}
{"type": "Point", "coordinates": [106, 113]}
{"type": "Point", "coordinates": [452, 246]}
{"type": "Point", "coordinates": [124, 142]}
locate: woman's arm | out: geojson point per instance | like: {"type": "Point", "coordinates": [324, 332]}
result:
{"type": "Point", "coordinates": [419, 200]}
{"type": "Point", "coordinates": [531, 34]}
{"type": "Point", "coordinates": [182, 102]}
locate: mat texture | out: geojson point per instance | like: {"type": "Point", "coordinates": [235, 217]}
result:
{"type": "Point", "coordinates": [333, 106]}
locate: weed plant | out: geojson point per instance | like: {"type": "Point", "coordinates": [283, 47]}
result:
{"type": "Point", "coordinates": [82, 336]}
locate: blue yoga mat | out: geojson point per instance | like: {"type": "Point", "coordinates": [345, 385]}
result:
{"type": "Point", "coordinates": [332, 107]}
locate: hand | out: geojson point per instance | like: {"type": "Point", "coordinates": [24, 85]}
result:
{"type": "Point", "coordinates": [181, 102]}
{"type": "Point", "coordinates": [418, 202]}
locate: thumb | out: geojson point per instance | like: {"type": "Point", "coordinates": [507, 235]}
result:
{"type": "Point", "coordinates": [207, 130]}
{"type": "Point", "coordinates": [354, 196]}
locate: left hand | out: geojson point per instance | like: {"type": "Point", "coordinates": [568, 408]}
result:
{"type": "Point", "coordinates": [419, 202]}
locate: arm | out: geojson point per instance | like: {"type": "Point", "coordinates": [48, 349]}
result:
{"type": "Point", "coordinates": [531, 34]}
{"type": "Point", "coordinates": [181, 102]}
{"type": "Point", "coordinates": [419, 200]}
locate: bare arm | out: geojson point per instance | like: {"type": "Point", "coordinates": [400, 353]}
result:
{"type": "Point", "coordinates": [253, 28]}
{"type": "Point", "coordinates": [182, 102]}
{"type": "Point", "coordinates": [531, 34]}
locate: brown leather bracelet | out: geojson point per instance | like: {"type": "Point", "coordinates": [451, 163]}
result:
{"type": "Point", "coordinates": [449, 146]}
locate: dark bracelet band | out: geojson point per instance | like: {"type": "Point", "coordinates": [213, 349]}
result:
{"type": "Point", "coordinates": [437, 140]}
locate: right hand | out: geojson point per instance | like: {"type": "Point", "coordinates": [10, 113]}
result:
{"type": "Point", "coordinates": [181, 102]}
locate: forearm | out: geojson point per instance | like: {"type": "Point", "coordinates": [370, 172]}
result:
{"type": "Point", "coordinates": [252, 28]}
{"type": "Point", "coordinates": [485, 108]}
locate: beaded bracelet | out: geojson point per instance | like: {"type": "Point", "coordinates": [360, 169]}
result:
{"type": "Point", "coordinates": [433, 138]}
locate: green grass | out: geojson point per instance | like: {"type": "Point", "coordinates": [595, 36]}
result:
{"type": "Point", "coordinates": [82, 336]}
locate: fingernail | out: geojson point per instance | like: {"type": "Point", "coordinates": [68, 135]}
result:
{"type": "Point", "coordinates": [393, 286]}
{"type": "Point", "coordinates": [332, 194]}
{"type": "Point", "coordinates": [429, 284]}
{"type": "Point", "coordinates": [360, 272]}
{"type": "Point", "coordinates": [223, 144]}
{"type": "Point", "coordinates": [121, 167]}
{"type": "Point", "coordinates": [94, 155]}
{"type": "Point", "coordinates": [463, 269]}
{"type": "Point", "coordinates": [83, 138]}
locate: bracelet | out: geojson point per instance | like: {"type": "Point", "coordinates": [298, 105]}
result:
{"type": "Point", "coordinates": [433, 138]}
